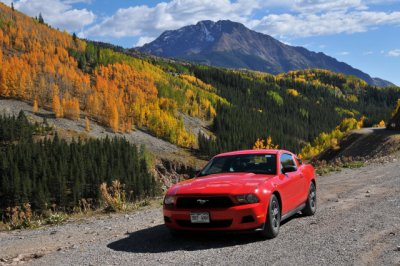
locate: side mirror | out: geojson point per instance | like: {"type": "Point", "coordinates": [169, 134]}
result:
{"type": "Point", "coordinates": [196, 173]}
{"type": "Point", "coordinates": [289, 168]}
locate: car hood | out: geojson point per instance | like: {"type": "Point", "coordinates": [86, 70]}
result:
{"type": "Point", "coordinates": [227, 183]}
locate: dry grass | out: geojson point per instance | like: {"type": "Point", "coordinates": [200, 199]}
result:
{"type": "Point", "coordinates": [80, 214]}
{"type": "Point", "coordinates": [69, 134]}
{"type": "Point", "coordinates": [322, 167]}
{"type": "Point", "coordinates": [18, 216]}
{"type": "Point", "coordinates": [113, 197]}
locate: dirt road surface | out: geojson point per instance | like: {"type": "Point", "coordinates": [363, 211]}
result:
{"type": "Point", "coordinates": [357, 223]}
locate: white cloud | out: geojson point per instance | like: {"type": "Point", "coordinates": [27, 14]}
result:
{"type": "Point", "coordinates": [57, 13]}
{"type": "Point", "coordinates": [302, 18]}
{"type": "Point", "coordinates": [344, 53]}
{"type": "Point", "coordinates": [151, 21]}
{"type": "Point", "coordinates": [315, 6]}
{"type": "Point", "coordinates": [303, 25]}
{"type": "Point", "coordinates": [306, 17]}
{"type": "Point", "coordinates": [394, 53]}
{"type": "Point", "coordinates": [7, 2]}
{"type": "Point", "coordinates": [144, 39]}
{"type": "Point", "coordinates": [77, 1]}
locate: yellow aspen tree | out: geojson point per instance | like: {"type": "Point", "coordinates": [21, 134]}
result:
{"type": "Point", "coordinates": [71, 108]}
{"type": "Point", "coordinates": [360, 122]}
{"type": "Point", "coordinates": [397, 108]}
{"type": "Point", "coordinates": [35, 107]}
{"type": "Point", "coordinates": [259, 144]}
{"type": "Point", "coordinates": [114, 119]}
{"type": "Point", "coordinates": [87, 124]}
{"type": "Point", "coordinates": [57, 108]}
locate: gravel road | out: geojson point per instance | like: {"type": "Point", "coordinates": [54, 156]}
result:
{"type": "Point", "coordinates": [357, 223]}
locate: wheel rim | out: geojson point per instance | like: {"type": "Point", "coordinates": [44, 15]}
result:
{"type": "Point", "coordinates": [275, 214]}
{"type": "Point", "coordinates": [313, 196]}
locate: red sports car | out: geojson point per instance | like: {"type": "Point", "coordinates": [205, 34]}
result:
{"type": "Point", "coordinates": [243, 190]}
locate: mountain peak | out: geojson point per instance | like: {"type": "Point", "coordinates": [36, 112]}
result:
{"type": "Point", "coordinates": [230, 44]}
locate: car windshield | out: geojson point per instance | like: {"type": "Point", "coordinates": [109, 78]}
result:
{"type": "Point", "coordinates": [244, 163]}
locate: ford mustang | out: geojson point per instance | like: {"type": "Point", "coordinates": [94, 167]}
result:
{"type": "Point", "coordinates": [251, 190]}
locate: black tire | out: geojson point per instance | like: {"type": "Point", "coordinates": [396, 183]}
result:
{"type": "Point", "coordinates": [311, 203]}
{"type": "Point", "coordinates": [273, 219]}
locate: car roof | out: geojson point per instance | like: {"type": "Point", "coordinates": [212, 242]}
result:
{"type": "Point", "coordinates": [260, 151]}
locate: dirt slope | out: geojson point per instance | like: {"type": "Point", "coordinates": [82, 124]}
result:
{"type": "Point", "coordinates": [68, 129]}
{"type": "Point", "coordinates": [357, 223]}
{"type": "Point", "coordinates": [365, 143]}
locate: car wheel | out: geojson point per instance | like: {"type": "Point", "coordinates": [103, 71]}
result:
{"type": "Point", "coordinates": [311, 203]}
{"type": "Point", "coordinates": [273, 219]}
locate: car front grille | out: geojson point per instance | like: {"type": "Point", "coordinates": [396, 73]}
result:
{"type": "Point", "coordinates": [211, 224]}
{"type": "Point", "coordinates": [203, 202]}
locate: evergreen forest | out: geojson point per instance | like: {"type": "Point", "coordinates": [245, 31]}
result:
{"type": "Point", "coordinates": [49, 172]}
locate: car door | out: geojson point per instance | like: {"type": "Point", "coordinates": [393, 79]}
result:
{"type": "Point", "coordinates": [291, 184]}
{"type": "Point", "coordinates": [304, 183]}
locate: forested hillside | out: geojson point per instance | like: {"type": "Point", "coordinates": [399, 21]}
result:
{"type": "Point", "coordinates": [53, 69]}
{"type": "Point", "coordinates": [47, 171]}
{"type": "Point", "coordinates": [292, 108]}
{"type": "Point", "coordinates": [75, 78]}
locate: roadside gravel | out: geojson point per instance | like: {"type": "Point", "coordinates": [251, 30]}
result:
{"type": "Point", "coordinates": [357, 223]}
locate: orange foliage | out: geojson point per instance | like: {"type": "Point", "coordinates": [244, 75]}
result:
{"type": "Point", "coordinates": [381, 124]}
{"type": "Point", "coordinates": [261, 144]}
{"type": "Point", "coordinates": [360, 123]}
{"type": "Point", "coordinates": [87, 124]}
{"type": "Point", "coordinates": [71, 108]}
{"type": "Point", "coordinates": [114, 119]}
{"type": "Point", "coordinates": [36, 67]}
{"type": "Point", "coordinates": [35, 107]}
{"type": "Point", "coordinates": [57, 109]}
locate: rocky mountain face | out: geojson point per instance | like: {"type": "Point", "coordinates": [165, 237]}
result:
{"type": "Point", "coordinates": [231, 44]}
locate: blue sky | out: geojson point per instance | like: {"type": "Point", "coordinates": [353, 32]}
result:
{"type": "Point", "coordinates": [362, 33]}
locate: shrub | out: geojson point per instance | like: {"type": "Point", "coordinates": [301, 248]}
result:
{"type": "Point", "coordinates": [56, 218]}
{"type": "Point", "coordinates": [18, 217]}
{"type": "Point", "coordinates": [113, 197]}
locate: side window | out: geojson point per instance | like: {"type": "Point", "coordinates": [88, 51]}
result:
{"type": "Point", "coordinates": [287, 160]}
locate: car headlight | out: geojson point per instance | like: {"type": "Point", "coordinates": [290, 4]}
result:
{"type": "Point", "coordinates": [169, 200]}
{"type": "Point", "coordinates": [247, 199]}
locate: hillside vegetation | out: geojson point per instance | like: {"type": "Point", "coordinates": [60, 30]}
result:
{"type": "Point", "coordinates": [78, 79]}
{"type": "Point", "coordinates": [55, 70]}
{"type": "Point", "coordinates": [38, 167]}
{"type": "Point", "coordinates": [394, 122]}
{"type": "Point", "coordinates": [75, 78]}
{"type": "Point", "coordinates": [292, 108]}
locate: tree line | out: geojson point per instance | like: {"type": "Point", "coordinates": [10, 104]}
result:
{"type": "Point", "coordinates": [55, 70]}
{"type": "Point", "coordinates": [52, 172]}
{"type": "Point", "coordinates": [292, 108]}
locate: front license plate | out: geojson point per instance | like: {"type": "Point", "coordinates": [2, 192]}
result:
{"type": "Point", "coordinates": [200, 217]}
